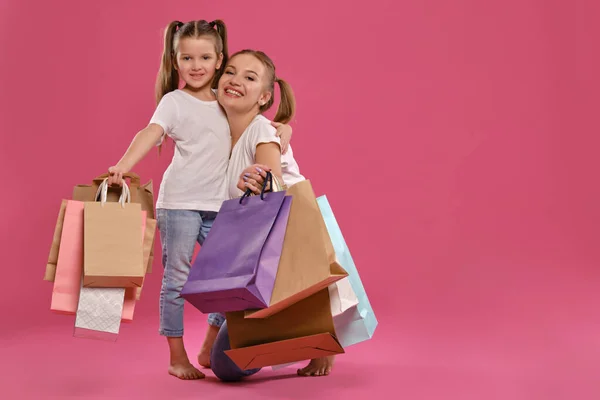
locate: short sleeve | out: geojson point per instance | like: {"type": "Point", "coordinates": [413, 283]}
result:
{"type": "Point", "coordinates": [263, 132]}
{"type": "Point", "coordinates": [166, 114]}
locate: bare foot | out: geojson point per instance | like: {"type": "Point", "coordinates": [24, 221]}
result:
{"type": "Point", "coordinates": [204, 358]}
{"type": "Point", "coordinates": [185, 371]}
{"type": "Point", "coordinates": [180, 365]}
{"type": "Point", "coordinates": [209, 340]}
{"type": "Point", "coordinates": [318, 367]}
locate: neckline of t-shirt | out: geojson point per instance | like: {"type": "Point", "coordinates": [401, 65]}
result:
{"type": "Point", "coordinates": [206, 102]}
{"type": "Point", "coordinates": [258, 116]}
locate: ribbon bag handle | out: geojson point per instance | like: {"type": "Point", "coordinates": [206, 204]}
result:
{"type": "Point", "coordinates": [102, 193]}
{"type": "Point", "coordinates": [263, 190]}
{"type": "Point", "coordinates": [135, 178]}
{"type": "Point", "coordinates": [133, 185]}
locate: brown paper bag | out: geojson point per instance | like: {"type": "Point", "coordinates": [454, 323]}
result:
{"type": "Point", "coordinates": [147, 247]}
{"type": "Point", "coordinates": [112, 249]}
{"type": "Point", "coordinates": [53, 256]}
{"type": "Point", "coordinates": [307, 263]}
{"type": "Point", "coordinates": [303, 331]}
{"type": "Point", "coordinates": [139, 194]}
{"type": "Point", "coordinates": [143, 195]}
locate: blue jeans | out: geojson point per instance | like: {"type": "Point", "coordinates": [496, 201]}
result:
{"type": "Point", "coordinates": [221, 364]}
{"type": "Point", "coordinates": [180, 230]}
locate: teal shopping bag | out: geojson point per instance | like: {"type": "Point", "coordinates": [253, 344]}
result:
{"type": "Point", "coordinates": [358, 323]}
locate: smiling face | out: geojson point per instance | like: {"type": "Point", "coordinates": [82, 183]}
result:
{"type": "Point", "coordinates": [243, 88]}
{"type": "Point", "coordinates": [197, 61]}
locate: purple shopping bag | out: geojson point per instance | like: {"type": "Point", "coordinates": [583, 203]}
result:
{"type": "Point", "coordinates": [236, 267]}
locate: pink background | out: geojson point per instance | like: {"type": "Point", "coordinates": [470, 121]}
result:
{"type": "Point", "coordinates": [456, 142]}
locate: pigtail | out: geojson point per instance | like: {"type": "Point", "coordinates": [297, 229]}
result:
{"type": "Point", "coordinates": [222, 32]}
{"type": "Point", "coordinates": [287, 105]}
{"type": "Point", "coordinates": [168, 77]}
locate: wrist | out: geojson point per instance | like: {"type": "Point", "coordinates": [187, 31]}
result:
{"type": "Point", "coordinates": [123, 166]}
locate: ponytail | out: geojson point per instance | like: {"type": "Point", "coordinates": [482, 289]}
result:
{"type": "Point", "coordinates": [222, 33]}
{"type": "Point", "coordinates": [287, 105]}
{"type": "Point", "coordinates": [168, 77]}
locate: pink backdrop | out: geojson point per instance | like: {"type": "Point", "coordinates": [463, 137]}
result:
{"type": "Point", "coordinates": [455, 141]}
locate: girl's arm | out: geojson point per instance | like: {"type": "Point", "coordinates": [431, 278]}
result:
{"type": "Point", "coordinates": [141, 144]}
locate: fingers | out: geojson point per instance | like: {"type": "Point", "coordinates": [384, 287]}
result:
{"type": "Point", "coordinates": [250, 184]}
{"type": "Point", "coordinates": [254, 182]}
{"type": "Point", "coordinates": [115, 177]}
{"type": "Point", "coordinates": [256, 169]}
{"type": "Point", "coordinates": [241, 185]}
{"type": "Point", "coordinates": [260, 168]}
{"type": "Point", "coordinates": [112, 179]}
{"type": "Point", "coordinates": [276, 125]}
{"type": "Point", "coordinates": [254, 178]}
{"type": "Point", "coordinates": [257, 172]}
{"type": "Point", "coordinates": [284, 146]}
{"type": "Point", "coordinates": [253, 188]}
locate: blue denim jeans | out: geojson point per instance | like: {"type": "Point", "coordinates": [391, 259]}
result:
{"type": "Point", "coordinates": [180, 230]}
{"type": "Point", "coordinates": [220, 363]}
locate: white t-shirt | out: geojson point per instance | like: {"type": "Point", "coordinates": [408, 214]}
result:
{"type": "Point", "coordinates": [243, 155]}
{"type": "Point", "coordinates": [196, 177]}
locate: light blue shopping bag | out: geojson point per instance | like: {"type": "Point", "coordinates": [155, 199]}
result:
{"type": "Point", "coordinates": [358, 323]}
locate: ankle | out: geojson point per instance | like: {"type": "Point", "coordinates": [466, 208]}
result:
{"type": "Point", "coordinates": [180, 361]}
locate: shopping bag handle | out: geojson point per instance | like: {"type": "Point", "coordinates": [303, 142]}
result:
{"type": "Point", "coordinates": [249, 192]}
{"type": "Point", "coordinates": [135, 178]}
{"type": "Point", "coordinates": [133, 185]}
{"type": "Point", "coordinates": [103, 193]}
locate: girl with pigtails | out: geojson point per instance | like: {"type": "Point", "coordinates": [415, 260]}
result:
{"type": "Point", "coordinates": [195, 183]}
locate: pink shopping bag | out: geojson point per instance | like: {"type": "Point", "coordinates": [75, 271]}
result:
{"type": "Point", "coordinates": [69, 267]}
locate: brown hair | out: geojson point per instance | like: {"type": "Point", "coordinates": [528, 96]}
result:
{"type": "Point", "coordinates": [287, 105]}
{"type": "Point", "coordinates": [168, 77]}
